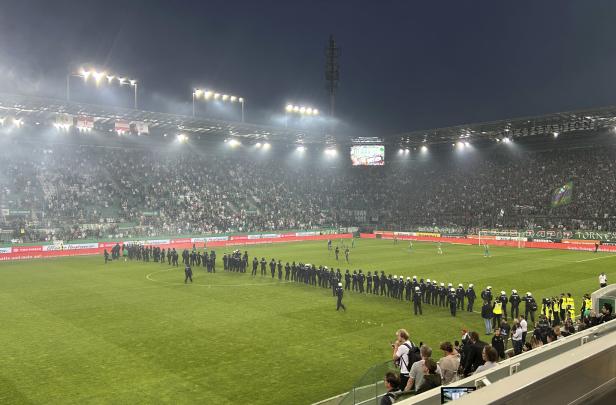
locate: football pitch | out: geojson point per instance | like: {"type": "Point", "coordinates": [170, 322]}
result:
{"type": "Point", "coordinates": [77, 331]}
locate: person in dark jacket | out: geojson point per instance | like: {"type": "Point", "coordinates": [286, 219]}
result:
{"type": "Point", "coordinates": [474, 358]}
{"type": "Point", "coordinates": [498, 343]}
{"type": "Point", "coordinates": [431, 379]}
{"type": "Point", "coordinates": [487, 314]}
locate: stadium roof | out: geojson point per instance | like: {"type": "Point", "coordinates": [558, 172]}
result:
{"type": "Point", "coordinates": [46, 109]}
{"type": "Point", "coordinates": [582, 120]}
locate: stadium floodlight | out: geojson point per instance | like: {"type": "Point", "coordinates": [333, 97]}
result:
{"type": "Point", "coordinates": [301, 149]}
{"type": "Point", "coordinates": [331, 151]}
{"type": "Point", "coordinates": [182, 138]}
{"type": "Point", "coordinates": [507, 140]}
{"type": "Point", "coordinates": [209, 94]}
{"type": "Point", "coordinates": [2, 121]}
{"type": "Point", "coordinates": [424, 148]}
{"type": "Point", "coordinates": [467, 144]}
{"type": "Point", "coordinates": [460, 144]}
{"type": "Point", "coordinates": [555, 134]}
{"type": "Point", "coordinates": [258, 145]}
{"type": "Point", "coordinates": [98, 77]}
{"type": "Point", "coordinates": [400, 151]}
{"type": "Point", "coordinates": [18, 122]}
{"type": "Point", "coordinates": [407, 151]}
{"type": "Point", "coordinates": [300, 109]}
{"type": "Point", "coordinates": [233, 143]}
{"type": "Point", "coordinates": [266, 146]}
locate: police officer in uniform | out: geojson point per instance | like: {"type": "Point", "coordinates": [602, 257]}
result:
{"type": "Point", "coordinates": [442, 292]}
{"type": "Point", "coordinates": [339, 294]}
{"type": "Point", "coordinates": [460, 293]}
{"type": "Point", "coordinates": [486, 294]}
{"type": "Point", "coordinates": [417, 298]}
{"type": "Point", "coordinates": [530, 307]}
{"type": "Point", "coordinates": [452, 301]}
{"type": "Point", "coordinates": [514, 300]}
{"type": "Point", "coordinates": [470, 297]}
{"type": "Point", "coordinates": [187, 273]}
{"type": "Point", "coordinates": [502, 298]}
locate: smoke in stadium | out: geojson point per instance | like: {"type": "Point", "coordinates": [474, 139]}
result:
{"type": "Point", "coordinates": [345, 203]}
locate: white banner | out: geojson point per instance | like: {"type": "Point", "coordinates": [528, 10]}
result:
{"type": "Point", "coordinates": [142, 127]}
{"type": "Point", "coordinates": [4, 250]}
{"type": "Point", "coordinates": [158, 242]}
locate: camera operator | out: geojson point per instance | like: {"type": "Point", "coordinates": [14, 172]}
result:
{"type": "Point", "coordinates": [403, 355]}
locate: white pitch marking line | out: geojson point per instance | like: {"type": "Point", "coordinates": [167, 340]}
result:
{"type": "Point", "coordinates": [594, 258]}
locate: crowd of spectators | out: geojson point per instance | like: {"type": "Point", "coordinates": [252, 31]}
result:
{"type": "Point", "coordinates": [81, 191]}
{"type": "Point", "coordinates": [471, 355]}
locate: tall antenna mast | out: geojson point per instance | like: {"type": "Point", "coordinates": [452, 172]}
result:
{"type": "Point", "coordinates": [332, 73]}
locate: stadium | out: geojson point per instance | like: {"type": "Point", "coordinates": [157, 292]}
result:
{"type": "Point", "coordinates": [199, 255]}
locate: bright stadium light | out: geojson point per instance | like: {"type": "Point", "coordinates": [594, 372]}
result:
{"type": "Point", "coordinates": [98, 76]}
{"type": "Point", "coordinates": [209, 94]}
{"type": "Point", "coordinates": [182, 138]}
{"type": "Point", "coordinates": [258, 145]}
{"type": "Point", "coordinates": [301, 109]}
{"type": "Point", "coordinates": [234, 143]}
{"type": "Point", "coordinates": [18, 122]}
{"type": "Point", "coordinates": [301, 149]}
{"type": "Point", "coordinates": [407, 151]}
{"type": "Point", "coordinates": [266, 146]}
{"type": "Point", "coordinates": [400, 151]}
{"type": "Point", "coordinates": [424, 148]}
{"type": "Point", "coordinates": [507, 140]}
{"type": "Point", "coordinates": [467, 144]}
{"type": "Point", "coordinates": [555, 134]}
{"type": "Point", "coordinates": [460, 144]}
{"type": "Point", "coordinates": [331, 152]}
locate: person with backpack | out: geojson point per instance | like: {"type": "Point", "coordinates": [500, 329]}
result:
{"type": "Point", "coordinates": [405, 353]}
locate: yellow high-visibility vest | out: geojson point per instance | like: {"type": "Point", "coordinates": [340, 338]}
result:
{"type": "Point", "coordinates": [557, 306]}
{"type": "Point", "coordinates": [588, 305]}
{"type": "Point", "coordinates": [498, 308]}
{"type": "Point", "coordinates": [571, 304]}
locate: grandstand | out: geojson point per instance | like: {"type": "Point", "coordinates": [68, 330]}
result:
{"type": "Point", "coordinates": [83, 178]}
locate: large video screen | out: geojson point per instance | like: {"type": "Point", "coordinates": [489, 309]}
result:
{"type": "Point", "coordinates": [368, 155]}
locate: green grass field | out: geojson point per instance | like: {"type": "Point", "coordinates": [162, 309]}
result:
{"type": "Point", "coordinates": [77, 331]}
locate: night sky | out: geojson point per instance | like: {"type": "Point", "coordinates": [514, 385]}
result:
{"type": "Point", "coordinates": [404, 65]}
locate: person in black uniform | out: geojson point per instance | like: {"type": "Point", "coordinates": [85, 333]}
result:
{"type": "Point", "coordinates": [460, 293]}
{"type": "Point", "coordinates": [514, 300]}
{"type": "Point", "coordinates": [375, 281]}
{"type": "Point", "coordinates": [339, 294]}
{"type": "Point", "coordinates": [417, 298]}
{"type": "Point", "coordinates": [369, 283]}
{"type": "Point", "coordinates": [434, 292]}
{"type": "Point", "coordinates": [106, 254]}
{"type": "Point", "coordinates": [213, 261]}
{"type": "Point", "coordinates": [530, 307]}
{"type": "Point", "coordinates": [383, 283]}
{"type": "Point", "coordinates": [287, 271]}
{"type": "Point", "coordinates": [504, 300]}
{"type": "Point", "coordinates": [470, 297]}
{"type": "Point", "coordinates": [225, 264]}
{"type": "Point", "coordinates": [263, 266]}
{"type": "Point", "coordinates": [279, 270]}
{"type": "Point", "coordinates": [347, 280]}
{"type": "Point", "coordinates": [272, 266]}
{"type": "Point", "coordinates": [408, 287]}
{"type": "Point", "coordinates": [486, 294]}
{"type": "Point", "coordinates": [175, 258]}
{"type": "Point", "coordinates": [361, 277]}
{"type": "Point", "coordinates": [442, 292]}
{"type": "Point", "coordinates": [187, 273]}
{"type": "Point", "coordinates": [346, 254]}
{"type": "Point", "coordinates": [337, 251]}
{"type": "Point", "coordinates": [452, 301]}
{"type": "Point", "coordinates": [255, 264]}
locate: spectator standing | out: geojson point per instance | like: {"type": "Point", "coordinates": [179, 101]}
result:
{"type": "Point", "coordinates": [416, 374]}
{"type": "Point", "coordinates": [449, 364]}
{"type": "Point", "coordinates": [490, 357]}
{"type": "Point", "coordinates": [487, 315]}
